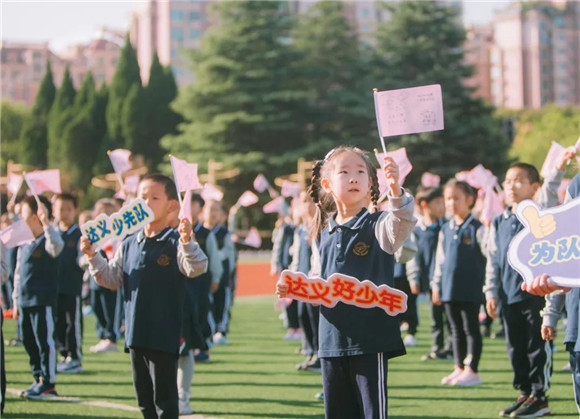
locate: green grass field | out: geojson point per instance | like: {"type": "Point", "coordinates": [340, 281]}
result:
{"type": "Point", "coordinates": [254, 377]}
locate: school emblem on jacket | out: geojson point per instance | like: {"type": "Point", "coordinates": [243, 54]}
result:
{"type": "Point", "coordinates": [71, 244]}
{"type": "Point", "coordinates": [163, 260]}
{"type": "Point", "coordinates": [37, 252]}
{"type": "Point", "coordinates": [361, 249]}
{"type": "Point", "coordinates": [467, 240]}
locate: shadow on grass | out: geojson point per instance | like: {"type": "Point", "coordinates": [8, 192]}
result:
{"type": "Point", "coordinates": [53, 415]}
{"type": "Point", "coordinates": [259, 415]}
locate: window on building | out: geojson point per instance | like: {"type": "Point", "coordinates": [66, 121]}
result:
{"type": "Point", "coordinates": [176, 15]}
{"type": "Point", "coordinates": [177, 34]}
{"type": "Point", "coordinates": [365, 12]}
{"type": "Point", "coordinates": [194, 15]}
{"type": "Point", "coordinates": [173, 53]}
{"type": "Point", "coordinates": [194, 34]}
{"type": "Point", "coordinates": [559, 22]}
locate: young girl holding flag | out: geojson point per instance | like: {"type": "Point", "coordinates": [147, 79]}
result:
{"type": "Point", "coordinates": [356, 343]}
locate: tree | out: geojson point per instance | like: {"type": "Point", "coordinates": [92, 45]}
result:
{"type": "Point", "coordinates": [33, 139]}
{"type": "Point", "coordinates": [160, 118]}
{"type": "Point", "coordinates": [126, 75]}
{"type": "Point", "coordinates": [12, 120]}
{"type": "Point", "coordinates": [538, 128]}
{"type": "Point", "coordinates": [61, 113]}
{"type": "Point", "coordinates": [422, 44]}
{"type": "Point", "coordinates": [133, 121]}
{"type": "Point", "coordinates": [246, 106]}
{"type": "Point", "coordinates": [334, 64]}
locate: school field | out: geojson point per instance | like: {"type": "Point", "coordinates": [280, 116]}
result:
{"type": "Point", "coordinates": [254, 376]}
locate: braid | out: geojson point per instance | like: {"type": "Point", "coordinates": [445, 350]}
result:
{"type": "Point", "coordinates": [314, 192]}
{"type": "Point", "coordinates": [375, 192]}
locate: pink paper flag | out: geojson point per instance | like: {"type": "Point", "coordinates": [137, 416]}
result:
{"type": "Point", "coordinates": [409, 111]}
{"type": "Point", "coordinates": [185, 174]}
{"type": "Point", "coordinates": [253, 238]}
{"type": "Point", "coordinates": [132, 184]}
{"type": "Point", "coordinates": [492, 205]}
{"type": "Point", "coordinates": [210, 192]}
{"type": "Point", "coordinates": [577, 146]}
{"type": "Point", "coordinates": [247, 199]}
{"type": "Point", "coordinates": [480, 177]}
{"type": "Point", "coordinates": [14, 183]}
{"type": "Point", "coordinates": [185, 211]}
{"type": "Point", "coordinates": [429, 180]}
{"type": "Point", "coordinates": [400, 157]}
{"type": "Point", "coordinates": [43, 180]}
{"type": "Point", "coordinates": [277, 205]}
{"type": "Point", "coordinates": [120, 160]}
{"type": "Point", "coordinates": [261, 183]}
{"type": "Point", "coordinates": [554, 154]}
{"type": "Point", "coordinates": [290, 188]}
{"type": "Point", "coordinates": [16, 234]}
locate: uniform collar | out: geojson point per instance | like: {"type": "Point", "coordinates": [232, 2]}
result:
{"type": "Point", "coordinates": [197, 227]}
{"type": "Point", "coordinates": [353, 224]}
{"type": "Point", "coordinates": [163, 235]}
{"type": "Point", "coordinates": [70, 229]}
{"type": "Point", "coordinates": [467, 221]}
{"type": "Point", "coordinates": [507, 213]}
{"type": "Point", "coordinates": [437, 224]}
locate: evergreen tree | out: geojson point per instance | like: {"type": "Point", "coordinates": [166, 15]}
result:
{"type": "Point", "coordinates": [133, 121]}
{"type": "Point", "coordinates": [12, 120]}
{"type": "Point", "coordinates": [33, 139]}
{"type": "Point", "coordinates": [126, 75]}
{"type": "Point", "coordinates": [246, 106]}
{"type": "Point", "coordinates": [334, 65]}
{"type": "Point", "coordinates": [61, 113]}
{"type": "Point", "coordinates": [421, 45]}
{"type": "Point", "coordinates": [160, 118]}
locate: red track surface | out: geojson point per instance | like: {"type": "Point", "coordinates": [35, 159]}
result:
{"type": "Point", "coordinates": [255, 279]}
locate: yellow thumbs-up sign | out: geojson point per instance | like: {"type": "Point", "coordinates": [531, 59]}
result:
{"type": "Point", "coordinates": [539, 226]}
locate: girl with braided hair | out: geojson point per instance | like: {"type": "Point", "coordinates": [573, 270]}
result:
{"type": "Point", "coordinates": [355, 343]}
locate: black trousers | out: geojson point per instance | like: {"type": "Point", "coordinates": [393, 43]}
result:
{"type": "Point", "coordinates": [529, 354]}
{"type": "Point", "coordinates": [69, 326]}
{"type": "Point", "coordinates": [308, 318]}
{"type": "Point", "coordinates": [155, 382]}
{"type": "Point", "coordinates": [411, 316]}
{"type": "Point", "coordinates": [467, 342]}
{"type": "Point", "coordinates": [575, 367]}
{"type": "Point", "coordinates": [37, 324]}
{"type": "Point", "coordinates": [107, 312]}
{"type": "Point", "coordinates": [355, 386]}
{"type": "Point", "coordinates": [222, 302]}
{"type": "Point", "coordinates": [204, 304]}
{"type": "Point", "coordinates": [440, 329]}
{"type": "Point", "coordinates": [292, 315]}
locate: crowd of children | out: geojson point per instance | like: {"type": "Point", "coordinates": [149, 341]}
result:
{"type": "Point", "coordinates": [169, 287]}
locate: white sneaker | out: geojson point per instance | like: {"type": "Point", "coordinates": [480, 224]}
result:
{"type": "Point", "coordinates": [466, 379]}
{"type": "Point", "coordinates": [97, 347]}
{"type": "Point", "coordinates": [220, 339]}
{"type": "Point", "coordinates": [104, 346]}
{"type": "Point", "coordinates": [185, 408]}
{"type": "Point", "coordinates": [448, 379]}
{"type": "Point", "coordinates": [410, 340]}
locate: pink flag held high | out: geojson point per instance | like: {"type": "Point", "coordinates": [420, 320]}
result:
{"type": "Point", "coordinates": [409, 111]}
{"type": "Point", "coordinates": [247, 199]}
{"type": "Point", "coordinates": [120, 160]}
{"type": "Point", "coordinates": [290, 188]}
{"type": "Point", "coordinates": [400, 157]}
{"type": "Point", "coordinates": [185, 211]}
{"type": "Point", "coordinates": [253, 238]}
{"type": "Point", "coordinates": [43, 180]}
{"type": "Point", "coordinates": [480, 177]}
{"type": "Point", "coordinates": [132, 184]}
{"type": "Point", "coordinates": [277, 205]}
{"type": "Point", "coordinates": [261, 183]}
{"type": "Point", "coordinates": [185, 175]}
{"type": "Point", "coordinates": [429, 180]}
{"type": "Point", "coordinates": [210, 192]}
{"type": "Point", "coordinates": [14, 183]}
{"type": "Point", "coordinates": [551, 161]}
{"type": "Point", "coordinates": [16, 234]}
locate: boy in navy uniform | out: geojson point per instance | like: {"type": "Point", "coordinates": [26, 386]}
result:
{"type": "Point", "coordinates": [69, 314]}
{"type": "Point", "coordinates": [530, 356]}
{"type": "Point", "coordinates": [35, 296]}
{"type": "Point", "coordinates": [422, 266]}
{"type": "Point", "coordinates": [151, 266]}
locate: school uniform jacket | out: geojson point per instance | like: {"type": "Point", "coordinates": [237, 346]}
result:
{"type": "Point", "coordinates": [363, 248]}
{"type": "Point", "coordinates": [36, 274]}
{"type": "Point", "coordinates": [152, 272]}
{"type": "Point", "coordinates": [70, 273]}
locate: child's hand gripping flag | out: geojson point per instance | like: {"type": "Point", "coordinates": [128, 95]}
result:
{"type": "Point", "coordinates": [400, 157]}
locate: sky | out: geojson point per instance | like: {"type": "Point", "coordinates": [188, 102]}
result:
{"type": "Point", "coordinates": [65, 23]}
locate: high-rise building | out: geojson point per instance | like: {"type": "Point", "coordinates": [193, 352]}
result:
{"type": "Point", "coordinates": [24, 64]}
{"type": "Point", "coordinates": [169, 28]}
{"type": "Point", "coordinates": [535, 58]}
{"type": "Point", "coordinates": [477, 53]}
